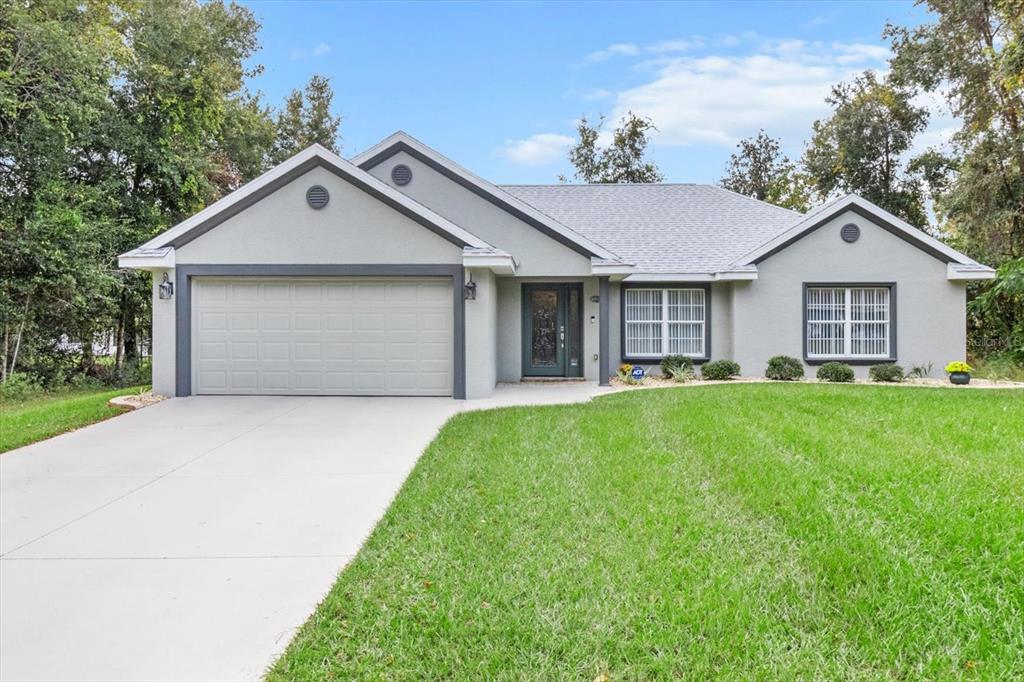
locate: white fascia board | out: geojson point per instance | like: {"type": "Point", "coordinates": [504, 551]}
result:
{"type": "Point", "coordinates": [135, 260]}
{"type": "Point", "coordinates": [671, 277]}
{"type": "Point", "coordinates": [959, 272]}
{"type": "Point", "coordinates": [736, 275]}
{"type": "Point", "coordinates": [500, 264]}
{"type": "Point", "coordinates": [831, 209]}
{"type": "Point", "coordinates": [473, 179]}
{"type": "Point", "coordinates": [611, 269]}
{"type": "Point", "coordinates": [328, 157]}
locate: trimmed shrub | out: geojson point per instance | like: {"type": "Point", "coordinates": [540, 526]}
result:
{"type": "Point", "coordinates": [836, 372]}
{"type": "Point", "coordinates": [784, 368]}
{"type": "Point", "coordinates": [890, 372]}
{"type": "Point", "coordinates": [719, 370]}
{"type": "Point", "coordinates": [671, 362]}
{"type": "Point", "coordinates": [681, 373]}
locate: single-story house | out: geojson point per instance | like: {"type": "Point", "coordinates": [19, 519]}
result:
{"type": "Point", "coordinates": [399, 272]}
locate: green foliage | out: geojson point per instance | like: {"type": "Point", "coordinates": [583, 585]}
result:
{"type": "Point", "coordinates": [760, 170]}
{"type": "Point", "coordinates": [681, 373]}
{"type": "Point", "coordinates": [996, 314]}
{"type": "Point", "coordinates": [972, 54]}
{"type": "Point", "coordinates": [919, 371]}
{"type": "Point", "coordinates": [888, 372]}
{"type": "Point", "coordinates": [306, 119]}
{"type": "Point", "coordinates": [670, 362]}
{"type": "Point", "coordinates": [784, 368]}
{"type": "Point", "coordinates": [836, 372]}
{"type": "Point", "coordinates": [860, 148]}
{"type": "Point", "coordinates": [115, 122]}
{"type": "Point", "coordinates": [19, 387]}
{"type": "Point", "coordinates": [719, 370]}
{"type": "Point", "coordinates": [999, 368]}
{"type": "Point", "coordinates": [622, 161]}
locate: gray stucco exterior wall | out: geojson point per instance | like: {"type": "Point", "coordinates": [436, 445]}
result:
{"type": "Point", "coordinates": [768, 312]}
{"type": "Point", "coordinates": [481, 335]}
{"type": "Point", "coordinates": [354, 227]}
{"type": "Point", "coordinates": [164, 337]}
{"type": "Point", "coordinates": [536, 253]}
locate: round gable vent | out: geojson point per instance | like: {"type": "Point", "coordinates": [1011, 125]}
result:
{"type": "Point", "coordinates": [317, 196]}
{"type": "Point", "coordinates": [401, 175]}
{"type": "Point", "coordinates": [850, 233]}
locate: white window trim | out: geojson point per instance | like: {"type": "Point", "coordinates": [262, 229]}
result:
{"type": "Point", "coordinates": [665, 322]}
{"type": "Point", "coordinates": [848, 323]}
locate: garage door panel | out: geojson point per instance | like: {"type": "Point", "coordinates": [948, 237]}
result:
{"type": "Point", "coordinates": [245, 380]}
{"type": "Point", "coordinates": [331, 336]}
{"type": "Point", "coordinates": [244, 350]}
{"type": "Point", "coordinates": [275, 350]}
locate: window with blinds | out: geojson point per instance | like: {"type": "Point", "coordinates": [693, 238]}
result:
{"type": "Point", "coordinates": [660, 322]}
{"type": "Point", "coordinates": [848, 322]}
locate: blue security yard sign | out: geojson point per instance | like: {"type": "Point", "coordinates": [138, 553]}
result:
{"type": "Point", "coordinates": [638, 373]}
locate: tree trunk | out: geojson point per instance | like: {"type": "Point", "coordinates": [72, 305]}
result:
{"type": "Point", "coordinates": [88, 357]}
{"type": "Point", "coordinates": [17, 338]}
{"type": "Point", "coordinates": [3, 357]}
{"type": "Point", "coordinates": [119, 341]}
{"type": "Point", "coordinates": [131, 334]}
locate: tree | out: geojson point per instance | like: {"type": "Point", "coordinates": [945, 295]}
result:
{"type": "Point", "coordinates": [54, 68]}
{"type": "Point", "coordinates": [162, 155]}
{"type": "Point", "coordinates": [306, 119]}
{"type": "Point", "coordinates": [861, 147]}
{"type": "Point", "coordinates": [973, 54]}
{"type": "Point", "coordinates": [244, 144]}
{"type": "Point", "coordinates": [760, 170]}
{"type": "Point", "coordinates": [621, 161]}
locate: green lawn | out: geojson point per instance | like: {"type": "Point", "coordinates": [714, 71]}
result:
{"type": "Point", "coordinates": [41, 417]}
{"type": "Point", "coordinates": [741, 532]}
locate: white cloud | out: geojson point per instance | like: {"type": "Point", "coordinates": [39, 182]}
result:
{"type": "Point", "coordinates": [537, 150]}
{"type": "Point", "coordinates": [718, 99]}
{"type": "Point", "coordinates": [858, 53]}
{"type": "Point", "coordinates": [616, 50]}
{"type": "Point", "coordinates": [318, 50]}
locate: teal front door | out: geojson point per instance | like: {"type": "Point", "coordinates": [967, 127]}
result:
{"type": "Point", "coordinates": [552, 327]}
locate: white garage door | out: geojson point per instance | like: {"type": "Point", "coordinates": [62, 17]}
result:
{"type": "Point", "coordinates": [341, 336]}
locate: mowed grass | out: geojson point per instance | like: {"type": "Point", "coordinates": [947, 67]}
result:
{"type": "Point", "coordinates": [734, 531]}
{"type": "Point", "coordinates": [45, 416]}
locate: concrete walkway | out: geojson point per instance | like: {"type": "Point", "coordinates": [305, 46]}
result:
{"type": "Point", "coordinates": [188, 540]}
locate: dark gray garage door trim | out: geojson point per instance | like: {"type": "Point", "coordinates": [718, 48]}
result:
{"type": "Point", "coordinates": [183, 309]}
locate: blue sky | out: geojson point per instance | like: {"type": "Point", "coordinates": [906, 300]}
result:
{"type": "Point", "coordinates": [498, 86]}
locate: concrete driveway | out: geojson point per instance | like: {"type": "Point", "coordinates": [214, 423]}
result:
{"type": "Point", "coordinates": [188, 540]}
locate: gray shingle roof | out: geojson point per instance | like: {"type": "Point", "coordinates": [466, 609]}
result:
{"type": "Point", "coordinates": [662, 227]}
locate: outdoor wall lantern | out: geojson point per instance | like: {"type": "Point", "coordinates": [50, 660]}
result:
{"type": "Point", "coordinates": [469, 290]}
{"type": "Point", "coordinates": [166, 287]}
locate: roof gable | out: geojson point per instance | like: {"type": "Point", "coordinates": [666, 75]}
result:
{"type": "Point", "coordinates": [403, 142]}
{"type": "Point", "coordinates": [281, 175]}
{"type": "Point", "coordinates": [864, 208]}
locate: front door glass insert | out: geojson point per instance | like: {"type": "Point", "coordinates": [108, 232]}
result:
{"type": "Point", "coordinates": [544, 316]}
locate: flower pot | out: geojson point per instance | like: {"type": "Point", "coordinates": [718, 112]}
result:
{"type": "Point", "coordinates": [959, 378]}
